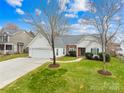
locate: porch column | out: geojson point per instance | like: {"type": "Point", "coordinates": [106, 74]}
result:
{"type": "Point", "coordinates": [4, 48]}
{"type": "Point", "coordinates": [12, 49]}
{"type": "Point", "coordinates": [76, 51]}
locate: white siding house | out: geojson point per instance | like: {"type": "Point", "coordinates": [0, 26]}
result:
{"type": "Point", "coordinates": [60, 52]}
{"type": "Point", "coordinates": [89, 43]}
{"type": "Point", "coordinates": [40, 48]}
{"type": "Point", "coordinates": [122, 49]}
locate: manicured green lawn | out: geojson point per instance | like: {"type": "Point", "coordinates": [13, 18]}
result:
{"type": "Point", "coordinates": [66, 58]}
{"type": "Point", "coordinates": [71, 78]}
{"type": "Point", "coordinates": [7, 57]}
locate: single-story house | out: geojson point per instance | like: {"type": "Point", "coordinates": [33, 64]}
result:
{"type": "Point", "coordinates": [40, 48]}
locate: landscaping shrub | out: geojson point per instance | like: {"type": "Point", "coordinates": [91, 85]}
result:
{"type": "Point", "coordinates": [108, 57]}
{"type": "Point", "coordinates": [95, 57]}
{"type": "Point", "coordinates": [89, 55]}
{"type": "Point", "coordinates": [113, 54]}
{"type": "Point", "coordinates": [72, 53]}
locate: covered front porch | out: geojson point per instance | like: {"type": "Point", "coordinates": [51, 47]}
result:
{"type": "Point", "coordinates": [80, 51]}
{"type": "Point", "coordinates": [6, 48]}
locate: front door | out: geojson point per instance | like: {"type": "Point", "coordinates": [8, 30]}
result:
{"type": "Point", "coordinates": [20, 46]}
{"type": "Point", "coordinates": [81, 51]}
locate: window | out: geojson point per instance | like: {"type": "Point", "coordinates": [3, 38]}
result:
{"type": "Point", "coordinates": [20, 44]}
{"type": "Point", "coordinates": [2, 47]}
{"type": "Point", "coordinates": [57, 52]}
{"type": "Point", "coordinates": [8, 47]}
{"type": "Point", "coordinates": [95, 50]}
{"type": "Point", "coordinates": [1, 39]}
{"type": "Point", "coordinates": [72, 49]}
{"type": "Point", "coordinates": [5, 38]}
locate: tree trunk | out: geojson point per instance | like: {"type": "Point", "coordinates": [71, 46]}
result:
{"type": "Point", "coordinates": [104, 61]}
{"type": "Point", "coordinates": [54, 56]}
{"type": "Point", "coordinates": [104, 58]}
{"type": "Point", "coordinates": [53, 48]}
{"type": "Point", "coordinates": [104, 52]}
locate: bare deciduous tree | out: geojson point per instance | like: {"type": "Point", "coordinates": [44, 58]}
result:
{"type": "Point", "coordinates": [106, 20]}
{"type": "Point", "coordinates": [50, 21]}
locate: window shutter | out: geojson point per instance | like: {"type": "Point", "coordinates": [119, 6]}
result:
{"type": "Point", "coordinates": [57, 52]}
{"type": "Point", "coordinates": [97, 50]}
{"type": "Point", "coordinates": [91, 50]}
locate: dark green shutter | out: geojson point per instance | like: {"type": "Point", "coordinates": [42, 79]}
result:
{"type": "Point", "coordinates": [91, 50]}
{"type": "Point", "coordinates": [97, 50]}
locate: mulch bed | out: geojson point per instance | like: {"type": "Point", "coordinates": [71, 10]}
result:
{"type": "Point", "coordinates": [103, 72]}
{"type": "Point", "coordinates": [54, 65]}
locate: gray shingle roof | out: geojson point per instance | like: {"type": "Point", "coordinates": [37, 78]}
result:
{"type": "Point", "coordinates": [59, 42]}
{"type": "Point", "coordinates": [70, 39]}
{"type": "Point", "coordinates": [21, 36]}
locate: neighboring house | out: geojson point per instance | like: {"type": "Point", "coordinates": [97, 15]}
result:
{"type": "Point", "coordinates": [15, 42]}
{"type": "Point", "coordinates": [121, 51]}
{"type": "Point", "coordinates": [40, 48]}
{"type": "Point", "coordinates": [5, 45]}
{"type": "Point", "coordinates": [113, 48]}
{"type": "Point", "coordinates": [20, 41]}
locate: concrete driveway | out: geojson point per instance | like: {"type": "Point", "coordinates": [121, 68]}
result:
{"type": "Point", "coordinates": [13, 69]}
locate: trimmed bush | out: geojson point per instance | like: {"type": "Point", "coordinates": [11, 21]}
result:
{"type": "Point", "coordinates": [89, 55]}
{"type": "Point", "coordinates": [108, 57]}
{"type": "Point", "coordinates": [72, 53]}
{"type": "Point", "coordinates": [95, 57]}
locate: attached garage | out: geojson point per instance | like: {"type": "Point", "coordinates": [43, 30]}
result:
{"type": "Point", "coordinates": [39, 53]}
{"type": "Point", "coordinates": [40, 48]}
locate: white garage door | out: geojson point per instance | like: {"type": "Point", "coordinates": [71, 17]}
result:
{"type": "Point", "coordinates": [40, 53]}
